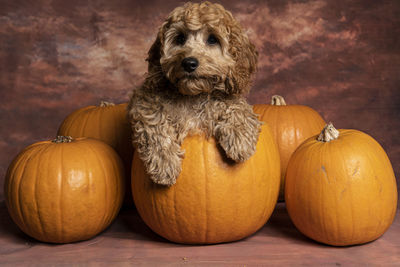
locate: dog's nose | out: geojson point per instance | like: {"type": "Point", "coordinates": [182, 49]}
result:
{"type": "Point", "coordinates": [189, 64]}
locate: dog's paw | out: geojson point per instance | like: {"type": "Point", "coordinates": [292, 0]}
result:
{"type": "Point", "coordinates": [165, 168]}
{"type": "Point", "coordinates": [167, 173]}
{"type": "Point", "coordinates": [238, 145]}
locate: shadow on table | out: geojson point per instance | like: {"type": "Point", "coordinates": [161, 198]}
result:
{"type": "Point", "coordinates": [129, 221]}
{"type": "Point", "coordinates": [11, 234]}
{"type": "Point", "coordinates": [280, 225]}
{"type": "Point", "coordinates": [127, 225]}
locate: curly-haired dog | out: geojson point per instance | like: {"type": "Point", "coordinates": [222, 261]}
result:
{"type": "Point", "coordinates": [199, 68]}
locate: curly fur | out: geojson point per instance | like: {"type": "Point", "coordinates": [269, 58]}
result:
{"type": "Point", "coordinates": [173, 103]}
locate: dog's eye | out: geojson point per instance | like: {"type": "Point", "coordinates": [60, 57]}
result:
{"type": "Point", "coordinates": [212, 40]}
{"type": "Point", "coordinates": [180, 39]}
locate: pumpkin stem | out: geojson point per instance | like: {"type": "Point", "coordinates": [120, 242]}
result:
{"type": "Point", "coordinates": [278, 100]}
{"type": "Point", "coordinates": [329, 133]}
{"type": "Point", "coordinates": [62, 139]}
{"type": "Point", "coordinates": [106, 104]}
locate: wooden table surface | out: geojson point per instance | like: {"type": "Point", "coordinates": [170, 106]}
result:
{"type": "Point", "coordinates": [128, 241]}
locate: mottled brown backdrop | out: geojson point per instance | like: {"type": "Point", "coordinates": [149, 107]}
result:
{"type": "Point", "coordinates": [340, 57]}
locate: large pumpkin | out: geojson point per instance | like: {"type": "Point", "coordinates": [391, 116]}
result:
{"type": "Point", "coordinates": [214, 200]}
{"type": "Point", "coordinates": [107, 122]}
{"type": "Point", "coordinates": [291, 125]}
{"type": "Point", "coordinates": [340, 188]}
{"type": "Point", "coordinates": [64, 190]}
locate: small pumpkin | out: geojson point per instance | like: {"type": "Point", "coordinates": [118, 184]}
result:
{"type": "Point", "coordinates": [291, 125]}
{"type": "Point", "coordinates": [214, 200]}
{"type": "Point", "coordinates": [107, 122]}
{"type": "Point", "coordinates": [340, 188]}
{"type": "Point", "coordinates": [64, 190]}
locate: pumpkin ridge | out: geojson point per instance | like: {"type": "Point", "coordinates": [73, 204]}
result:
{"type": "Point", "coordinates": [146, 184]}
{"type": "Point", "coordinates": [73, 117]}
{"type": "Point", "coordinates": [174, 214]}
{"type": "Point", "coordinates": [299, 191]}
{"type": "Point", "coordinates": [270, 196]}
{"type": "Point", "coordinates": [277, 157]}
{"type": "Point", "coordinates": [107, 208]}
{"type": "Point", "coordinates": [205, 166]}
{"type": "Point", "coordinates": [18, 162]}
{"type": "Point", "coordinates": [349, 146]}
{"type": "Point", "coordinates": [38, 156]}
{"type": "Point", "coordinates": [27, 159]}
{"type": "Point", "coordinates": [253, 177]}
{"type": "Point", "coordinates": [156, 211]}
{"type": "Point", "coordinates": [63, 128]}
{"type": "Point", "coordinates": [337, 206]}
{"type": "Point", "coordinates": [35, 160]}
{"type": "Point", "coordinates": [275, 134]}
{"type": "Point", "coordinates": [332, 182]}
{"type": "Point", "coordinates": [60, 227]}
{"type": "Point", "coordinates": [88, 114]}
{"type": "Point", "coordinates": [265, 148]}
{"type": "Point", "coordinates": [98, 116]}
{"type": "Point", "coordinates": [8, 191]}
{"type": "Point", "coordinates": [104, 135]}
{"type": "Point", "coordinates": [321, 203]}
{"type": "Point", "coordinates": [303, 110]}
{"type": "Point", "coordinates": [109, 184]}
{"type": "Point", "coordinates": [295, 140]}
{"type": "Point", "coordinates": [121, 186]}
{"type": "Point", "coordinates": [118, 192]}
{"type": "Point", "coordinates": [118, 139]}
{"type": "Point", "coordinates": [295, 124]}
{"type": "Point", "coordinates": [66, 127]}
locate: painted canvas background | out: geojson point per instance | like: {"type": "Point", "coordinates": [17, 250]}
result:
{"type": "Point", "coordinates": [340, 57]}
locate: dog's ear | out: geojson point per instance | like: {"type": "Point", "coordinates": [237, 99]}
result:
{"type": "Point", "coordinates": [154, 55]}
{"type": "Point", "coordinates": [245, 56]}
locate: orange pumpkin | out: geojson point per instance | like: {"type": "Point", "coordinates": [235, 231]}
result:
{"type": "Point", "coordinates": [64, 190]}
{"type": "Point", "coordinates": [214, 200]}
{"type": "Point", "coordinates": [291, 125]}
{"type": "Point", "coordinates": [340, 188]}
{"type": "Point", "coordinates": [108, 123]}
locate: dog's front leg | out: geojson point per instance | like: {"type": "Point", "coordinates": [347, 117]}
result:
{"type": "Point", "coordinates": [237, 131]}
{"type": "Point", "coordinates": [156, 142]}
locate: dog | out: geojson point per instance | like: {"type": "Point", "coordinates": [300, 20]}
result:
{"type": "Point", "coordinates": [199, 70]}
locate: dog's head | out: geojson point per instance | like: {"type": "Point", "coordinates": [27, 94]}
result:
{"type": "Point", "coordinates": [201, 48]}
